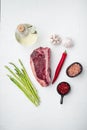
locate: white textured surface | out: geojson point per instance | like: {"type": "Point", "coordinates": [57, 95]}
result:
{"type": "Point", "coordinates": [67, 18]}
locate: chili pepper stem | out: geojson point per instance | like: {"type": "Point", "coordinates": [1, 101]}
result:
{"type": "Point", "coordinates": [65, 51]}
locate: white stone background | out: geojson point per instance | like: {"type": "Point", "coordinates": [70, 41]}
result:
{"type": "Point", "coordinates": [67, 18]}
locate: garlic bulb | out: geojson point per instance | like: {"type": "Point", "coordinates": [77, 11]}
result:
{"type": "Point", "coordinates": [55, 39]}
{"type": "Point", "coordinates": [67, 42]}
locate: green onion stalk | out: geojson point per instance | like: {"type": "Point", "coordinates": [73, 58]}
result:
{"type": "Point", "coordinates": [21, 79]}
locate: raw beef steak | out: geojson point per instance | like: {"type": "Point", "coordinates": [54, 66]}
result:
{"type": "Point", "coordinates": [40, 64]}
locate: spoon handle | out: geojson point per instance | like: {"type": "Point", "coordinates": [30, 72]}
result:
{"type": "Point", "coordinates": [61, 100]}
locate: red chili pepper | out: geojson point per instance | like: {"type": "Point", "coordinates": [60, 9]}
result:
{"type": "Point", "coordinates": [59, 66]}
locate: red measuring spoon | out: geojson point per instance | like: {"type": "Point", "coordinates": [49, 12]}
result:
{"type": "Point", "coordinates": [63, 88]}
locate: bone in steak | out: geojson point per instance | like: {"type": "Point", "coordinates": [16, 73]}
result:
{"type": "Point", "coordinates": [40, 64]}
